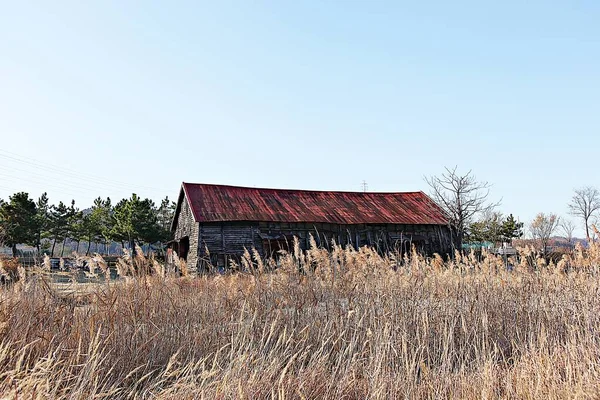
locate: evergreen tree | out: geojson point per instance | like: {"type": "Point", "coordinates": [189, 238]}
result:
{"type": "Point", "coordinates": [511, 229]}
{"type": "Point", "coordinates": [121, 227]}
{"type": "Point", "coordinates": [105, 222]}
{"type": "Point", "coordinates": [18, 218]}
{"type": "Point", "coordinates": [99, 223]}
{"type": "Point", "coordinates": [88, 231]}
{"type": "Point", "coordinates": [487, 229]}
{"type": "Point", "coordinates": [59, 224]}
{"type": "Point", "coordinates": [43, 219]}
{"type": "Point", "coordinates": [135, 221]}
{"type": "Point", "coordinates": [74, 226]}
{"type": "Point", "coordinates": [164, 217]}
{"type": "Point", "coordinates": [493, 228]}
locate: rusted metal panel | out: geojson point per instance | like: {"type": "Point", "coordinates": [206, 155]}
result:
{"type": "Point", "coordinates": [220, 203]}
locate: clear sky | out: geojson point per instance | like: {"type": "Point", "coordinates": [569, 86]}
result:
{"type": "Point", "coordinates": [111, 97]}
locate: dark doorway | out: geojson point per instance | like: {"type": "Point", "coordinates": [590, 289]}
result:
{"type": "Point", "coordinates": [184, 247]}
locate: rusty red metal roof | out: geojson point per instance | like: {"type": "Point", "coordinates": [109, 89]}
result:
{"type": "Point", "coordinates": [220, 203]}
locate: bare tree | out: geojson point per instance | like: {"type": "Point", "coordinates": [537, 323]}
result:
{"type": "Point", "coordinates": [567, 227]}
{"type": "Point", "coordinates": [461, 197]}
{"type": "Point", "coordinates": [584, 204]}
{"type": "Point", "coordinates": [542, 228]}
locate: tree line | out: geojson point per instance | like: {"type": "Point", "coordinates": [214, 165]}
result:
{"type": "Point", "coordinates": [465, 201]}
{"type": "Point", "coordinates": [584, 205]}
{"type": "Point", "coordinates": [139, 221]}
{"type": "Point", "coordinates": [130, 222]}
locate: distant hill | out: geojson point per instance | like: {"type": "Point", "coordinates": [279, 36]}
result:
{"type": "Point", "coordinates": [558, 241]}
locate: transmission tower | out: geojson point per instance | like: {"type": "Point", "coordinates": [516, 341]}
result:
{"type": "Point", "coordinates": [365, 186]}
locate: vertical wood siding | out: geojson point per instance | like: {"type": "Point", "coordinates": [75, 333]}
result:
{"type": "Point", "coordinates": [218, 242]}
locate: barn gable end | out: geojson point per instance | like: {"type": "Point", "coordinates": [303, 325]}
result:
{"type": "Point", "coordinates": [185, 231]}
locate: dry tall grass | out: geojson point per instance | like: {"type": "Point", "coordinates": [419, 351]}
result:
{"type": "Point", "coordinates": [343, 324]}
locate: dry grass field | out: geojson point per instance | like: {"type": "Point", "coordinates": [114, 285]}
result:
{"type": "Point", "coordinates": [338, 324]}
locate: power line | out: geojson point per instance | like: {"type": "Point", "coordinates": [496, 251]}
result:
{"type": "Point", "coordinates": [95, 181]}
{"type": "Point", "coordinates": [63, 189]}
{"type": "Point", "coordinates": [73, 190]}
{"type": "Point", "coordinates": [76, 186]}
{"type": "Point", "coordinates": [6, 188]}
{"type": "Point", "coordinates": [30, 161]}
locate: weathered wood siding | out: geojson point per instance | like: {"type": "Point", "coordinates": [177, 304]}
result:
{"type": "Point", "coordinates": [216, 243]}
{"type": "Point", "coordinates": [186, 226]}
{"type": "Point", "coordinates": [219, 242]}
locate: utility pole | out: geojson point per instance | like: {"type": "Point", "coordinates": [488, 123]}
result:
{"type": "Point", "coordinates": [365, 186]}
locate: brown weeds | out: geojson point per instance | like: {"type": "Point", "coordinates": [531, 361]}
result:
{"type": "Point", "coordinates": [322, 325]}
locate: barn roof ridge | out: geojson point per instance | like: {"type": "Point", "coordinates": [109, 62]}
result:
{"type": "Point", "coordinates": [226, 203]}
{"type": "Point", "coordinates": [297, 190]}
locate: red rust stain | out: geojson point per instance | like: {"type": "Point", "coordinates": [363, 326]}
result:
{"type": "Point", "coordinates": [220, 203]}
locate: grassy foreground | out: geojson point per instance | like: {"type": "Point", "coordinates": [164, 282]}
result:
{"type": "Point", "coordinates": [353, 325]}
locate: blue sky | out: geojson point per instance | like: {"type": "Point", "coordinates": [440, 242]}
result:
{"type": "Point", "coordinates": [106, 98]}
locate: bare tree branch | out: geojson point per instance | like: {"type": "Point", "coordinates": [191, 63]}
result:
{"type": "Point", "coordinates": [542, 228]}
{"type": "Point", "coordinates": [584, 204]}
{"type": "Point", "coordinates": [567, 228]}
{"type": "Point", "coordinates": [461, 197]}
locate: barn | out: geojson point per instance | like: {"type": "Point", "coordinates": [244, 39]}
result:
{"type": "Point", "coordinates": [214, 223]}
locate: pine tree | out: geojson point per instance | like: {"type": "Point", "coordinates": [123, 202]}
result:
{"type": "Point", "coordinates": [511, 229]}
{"type": "Point", "coordinates": [100, 223]}
{"type": "Point", "coordinates": [43, 220]}
{"type": "Point", "coordinates": [59, 224]}
{"type": "Point", "coordinates": [164, 217]}
{"type": "Point", "coordinates": [487, 229]}
{"type": "Point", "coordinates": [18, 218]}
{"type": "Point", "coordinates": [75, 225]}
{"type": "Point", "coordinates": [135, 221]}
